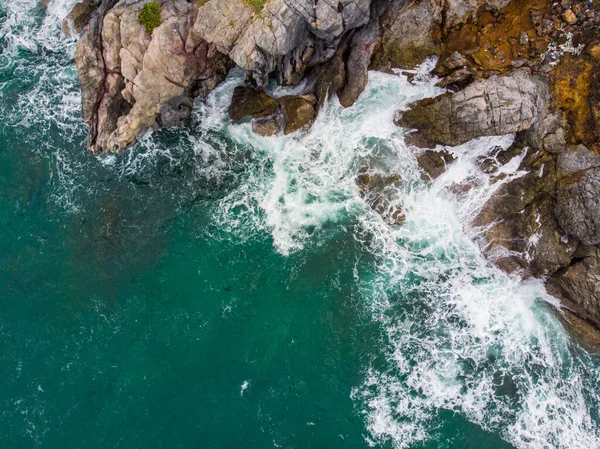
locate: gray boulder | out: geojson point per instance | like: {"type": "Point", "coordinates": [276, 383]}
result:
{"type": "Point", "coordinates": [578, 194]}
{"type": "Point", "coordinates": [495, 106]}
{"type": "Point", "coordinates": [577, 286]}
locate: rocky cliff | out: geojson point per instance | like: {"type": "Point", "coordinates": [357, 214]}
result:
{"type": "Point", "coordinates": [531, 68]}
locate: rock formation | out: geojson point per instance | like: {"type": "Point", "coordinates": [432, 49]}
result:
{"type": "Point", "coordinates": [491, 107]}
{"type": "Point", "coordinates": [272, 116]}
{"type": "Point", "coordinates": [546, 223]}
{"type": "Point", "coordinates": [529, 67]}
{"type": "Point", "coordinates": [132, 81]}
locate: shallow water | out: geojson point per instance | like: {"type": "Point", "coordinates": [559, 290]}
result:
{"type": "Point", "coordinates": [212, 288]}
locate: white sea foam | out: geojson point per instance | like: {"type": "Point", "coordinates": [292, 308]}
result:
{"type": "Point", "coordinates": [457, 334]}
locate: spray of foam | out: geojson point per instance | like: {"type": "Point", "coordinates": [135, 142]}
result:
{"type": "Point", "coordinates": [457, 334]}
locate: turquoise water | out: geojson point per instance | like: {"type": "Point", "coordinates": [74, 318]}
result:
{"type": "Point", "coordinates": [215, 289]}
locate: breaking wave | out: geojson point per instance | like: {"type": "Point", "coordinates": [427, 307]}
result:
{"type": "Point", "coordinates": [457, 334]}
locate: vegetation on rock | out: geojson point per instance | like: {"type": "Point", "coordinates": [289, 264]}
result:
{"type": "Point", "coordinates": [150, 16]}
{"type": "Point", "coordinates": [256, 4]}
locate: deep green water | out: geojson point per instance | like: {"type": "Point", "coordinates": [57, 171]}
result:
{"type": "Point", "coordinates": [215, 289]}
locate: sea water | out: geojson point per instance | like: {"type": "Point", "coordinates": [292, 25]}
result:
{"type": "Point", "coordinates": [211, 288]}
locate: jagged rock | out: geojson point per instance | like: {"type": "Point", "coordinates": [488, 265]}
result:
{"type": "Point", "coordinates": [519, 230]}
{"type": "Point", "coordinates": [578, 194]}
{"type": "Point", "coordinates": [330, 77]}
{"type": "Point", "coordinates": [530, 241]}
{"type": "Point", "coordinates": [495, 106]}
{"type": "Point", "coordinates": [361, 49]}
{"type": "Point", "coordinates": [298, 111]}
{"type": "Point", "coordinates": [435, 162]}
{"type": "Point", "coordinates": [247, 101]}
{"type": "Point", "coordinates": [285, 38]}
{"type": "Point", "coordinates": [450, 62]}
{"type": "Point", "coordinates": [45, 3]}
{"type": "Point", "coordinates": [577, 287]}
{"type": "Point", "coordinates": [411, 32]}
{"type": "Point", "coordinates": [458, 79]}
{"type": "Point", "coordinates": [79, 16]}
{"type": "Point", "coordinates": [555, 142]}
{"type": "Point", "coordinates": [132, 81]}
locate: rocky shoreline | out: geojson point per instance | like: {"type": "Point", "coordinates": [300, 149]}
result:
{"type": "Point", "coordinates": [529, 68]}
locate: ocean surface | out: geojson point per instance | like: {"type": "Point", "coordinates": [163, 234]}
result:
{"type": "Point", "coordinates": [211, 288]}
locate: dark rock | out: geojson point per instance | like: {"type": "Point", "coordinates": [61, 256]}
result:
{"type": "Point", "coordinates": [449, 62]}
{"type": "Point", "coordinates": [247, 101]}
{"type": "Point", "coordinates": [361, 49]}
{"type": "Point", "coordinates": [577, 287]}
{"type": "Point", "coordinates": [298, 111]}
{"type": "Point", "coordinates": [329, 78]}
{"type": "Point", "coordinates": [578, 194]}
{"type": "Point", "coordinates": [435, 162]}
{"type": "Point", "coordinates": [458, 79]}
{"type": "Point", "coordinates": [79, 16]}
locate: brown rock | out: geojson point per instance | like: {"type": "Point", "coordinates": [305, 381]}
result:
{"type": "Point", "coordinates": [449, 62]}
{"type": "Point", "coordinates": [298, 111]}
{"type": "Point", "coordinates": [247, 101]}
{"type": "Point", "coordinates": [458, 79]}
{"type": "Point", "coordinates": [569, 17]}
{"type": "Point", "coordinates": [435, 162]}
{"type": "Point", "coordinates": [269, 125]}
{"type": "Point", "coordinates": [79, 16]}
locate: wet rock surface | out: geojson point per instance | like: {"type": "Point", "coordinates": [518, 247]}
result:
{"type": "Point", "coordinates": [272, 115]}
{"type": "Point", "coordinates": [525, 67]}
{"type": "Point", "coordinates": [491, 107]}
{"type": "Point", "coordinates": [248, 101]}
{"type": "Point", "coordinates": [378, 190]}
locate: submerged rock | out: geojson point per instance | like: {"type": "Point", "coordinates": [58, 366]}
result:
{"type": "Point", "coordinates": [492, 107]}
{"type": "Point", "coordinates": [378, 190]}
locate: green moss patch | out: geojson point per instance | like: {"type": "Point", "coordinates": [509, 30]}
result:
{"type": "Point", "coordinates": [256, 4]}
{"type": "Point", "coordinates": [150, 16]}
